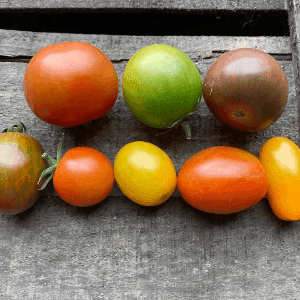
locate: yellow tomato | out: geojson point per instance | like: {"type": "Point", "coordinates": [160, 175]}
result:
{"type": "Point", "coordinates": [281, 159]}
{"type": "Point", "coordinates": [145, 173]}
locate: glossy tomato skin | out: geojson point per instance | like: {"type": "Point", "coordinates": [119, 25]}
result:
{"type": "Point", "coordinates": [145, 173]}
{"type": "Point", "coordinates": [281, 159]}
{"type": "Point", "coordinates": [161, 85]}
{"type": "Point", "coordinates": [70, 83]}
{"type": "Point", "coordinates": [83, 177]}
{"type": "Point", "coordinates": [222, 180]}
{"type": "Point", "coordinates": [246, 89]}
{"type": "Point", "coordinates": [21, 165]}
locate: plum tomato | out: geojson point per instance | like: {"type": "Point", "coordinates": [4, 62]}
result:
{"type": "Point", "coordinates": [222, 180]}
{"type": "Point", "coordinates": [246, 89]}
{"type": "Point", "coordinates": [281, 159]}
{"type": "Point", "coordinates": [21, 165]}
{"type": "Point", "coordinates": [70, 83]}
{"type": "Point", "coordinates": [84, 176]}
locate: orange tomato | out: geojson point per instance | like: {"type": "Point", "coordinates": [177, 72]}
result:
{"type": "Point", "coordinates": [83, 177]}
{"type": "Point", "coordinates": [222, 180]}
{"type": "Point", "coordinates": [281, 160]}
{"type": "Point", "coordinates": [70, 83]}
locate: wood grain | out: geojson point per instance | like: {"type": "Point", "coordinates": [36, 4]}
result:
{"type": "Point", "coordinates": [137, 5]}
{"type": "Point", "coordinates": [118, 249]}
{"type": "Point", "coordinates": [24, 44]}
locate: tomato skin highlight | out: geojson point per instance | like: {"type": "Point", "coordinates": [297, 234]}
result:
{"type": "Point", "coordinates": [21, 164]}
{"type": "Point", "coordinates": [70, 83]}
{"type": "Point", "coordinates": [281, 159]}
{"type": "Point", "coordinates": [222, 180]}
{"type": "Point", "coordinates": [84, 176]}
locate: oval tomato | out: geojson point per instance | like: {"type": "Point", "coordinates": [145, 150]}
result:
{"type": "Point", "coordinates": [145, 173]}
{"type": "Point", "coordinates": [222, 180]}
{"type": "Point", "coordinates": [281, 160]}
{"type": "Point", "coordinates": [70, 83]}
{"type": "Point", "coordinates": [161, 86]}
{"type": "Point", "coordinates": [21, 165]}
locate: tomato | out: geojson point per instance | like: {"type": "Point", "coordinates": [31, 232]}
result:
{"type": "Point", "coordinates": [82, 177]}
{"type": "Point", "coordinates": [246, 89]}
{"type": "Point", "coordinates": [145, 173]}
{"type": "Point", "coordinates": [281, 159]}
{"type": "Point", "coordinates": [70, 83]}
{"type": "Point", "coordinates": [21, 165]}
{"type": "Point", "coordinates": [161, 86]}
{"type": "Point", "coordinates": [222, 180]}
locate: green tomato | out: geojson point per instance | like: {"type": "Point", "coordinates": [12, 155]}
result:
{"type": "Point", "coordinates": [161, 86]}
{"type": "Point", "coordinates": [21, 165]}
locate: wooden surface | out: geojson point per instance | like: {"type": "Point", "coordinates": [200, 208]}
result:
{"type": "Point", "coordinates": [118, 249]}
{"type": "Point", "coordinates": [145, 4]}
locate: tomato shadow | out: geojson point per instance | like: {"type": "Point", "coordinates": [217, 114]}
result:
{"type": "Point", "coordinates": [211, 218]}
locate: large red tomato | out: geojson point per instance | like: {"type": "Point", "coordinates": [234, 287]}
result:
{"type": "Point", "coordinates": [70, 83]}
{"type": "Point", "coordinates": [222, 180]}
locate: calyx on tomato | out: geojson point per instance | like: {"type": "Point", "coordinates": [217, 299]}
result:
{"type": "Point", "coordinates": [52, 165]}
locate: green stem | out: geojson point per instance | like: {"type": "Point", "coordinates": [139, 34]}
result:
{"type": "Point", "coordinates": [19, 127]}
{"type": "Point", "coordinates": [52, 165]}
{"type": "Point", "coordinates": [187, 129]}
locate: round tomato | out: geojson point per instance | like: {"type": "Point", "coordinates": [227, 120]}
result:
{"type": "Point", "coordinates": [246, 89]}
{"type": "Point", "coordinates": [70, 83]}
{"type": "Point", "coordinates": [222, 180]}
{"type": "Point", "coordinates": [82, 177]}
{"type": "Point", "coordinates": [145, 173]}
{"type": "Point", "coordinates": [21, 165]}
{"type": "Point", "coordinates": [281, 160]}
{"type": "Point", "coordinates": [161, 86]}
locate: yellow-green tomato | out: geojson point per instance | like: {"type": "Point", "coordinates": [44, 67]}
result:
{"type": "Point", "coordinates": [281, 159]}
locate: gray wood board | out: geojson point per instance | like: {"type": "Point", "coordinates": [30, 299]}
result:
{"type": "Point", "coordinates": [294, 25]}
{"type": "Point", "coordinates": [138, 5]}
{"type": "Point", "coordinates": [120, 250]}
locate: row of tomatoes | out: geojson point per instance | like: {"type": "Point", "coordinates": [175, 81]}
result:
{"type": "Point", "coordinates": [71, 83]}
{"type": "Point", "coordinates": [220, 180]}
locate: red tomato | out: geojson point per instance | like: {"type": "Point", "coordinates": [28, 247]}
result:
{"type": "Point", "coordinates": [83, 177]}
{"type": "Point", "coordinates": [70, 83]}
{"type": "Point", "coordinates": [222, 180]}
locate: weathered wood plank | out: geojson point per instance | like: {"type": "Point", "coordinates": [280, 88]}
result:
{"type": "Point", "coordinates": [118, 47]}
{"type": "Point", "coordinates": [294, 23]}
{"type": "Point", "coordinates": [119, 250]}
{"type": "Point", "coordinates": [147, 4]}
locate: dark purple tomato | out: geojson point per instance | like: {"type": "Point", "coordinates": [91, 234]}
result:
{"type": "Point", "coordinates": [246, 89]}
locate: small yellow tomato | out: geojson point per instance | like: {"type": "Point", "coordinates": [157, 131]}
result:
{"type": "Point", "coordinates": [145, 173]}
{"type": "Point", "coordinates": [281, 159]}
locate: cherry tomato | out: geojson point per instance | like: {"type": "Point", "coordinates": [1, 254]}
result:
{"type": "Point", "coordinates": [281, 160]}
{"type": "Point", "coordinates": [222, 180]}
{"type": "Point", "coordinates": [145, 173]}
{"type": "Point", "coordinates": [21, 165]}
{"type": "Point", "coordinates": [82, 177]}
{"type": "Point", "coordinates": [70, 83]}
